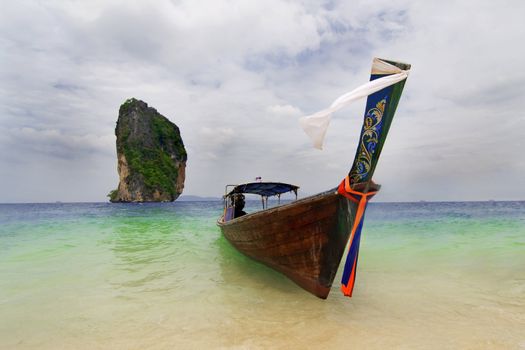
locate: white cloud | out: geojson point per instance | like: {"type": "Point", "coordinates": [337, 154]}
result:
{"type": "Point", "coordinates": [284, 111]}
{"type": "Point", "coordinates": [236, 75]}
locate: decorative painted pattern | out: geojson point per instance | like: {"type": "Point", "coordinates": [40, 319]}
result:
{"type": "Point", "coordinates": [369, 139]}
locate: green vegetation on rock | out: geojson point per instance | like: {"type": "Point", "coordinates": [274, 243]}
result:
{"type": "Point", "coordinates": [154, 154]}
{"type": "Point", "coordinates": [113, 195]}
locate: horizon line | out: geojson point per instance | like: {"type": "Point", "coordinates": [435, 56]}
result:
{"type": "Point", "coordinates": [212, 199]}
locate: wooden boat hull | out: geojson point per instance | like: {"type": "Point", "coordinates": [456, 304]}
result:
{"type": "Point", "coordinates": [304, 240]}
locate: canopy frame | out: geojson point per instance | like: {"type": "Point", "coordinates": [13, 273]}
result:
{"type": "Point", "coordinates": [263, 189]}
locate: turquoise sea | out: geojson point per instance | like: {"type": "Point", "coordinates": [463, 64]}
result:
{"type": "Point", "coordinates": [160, 276]}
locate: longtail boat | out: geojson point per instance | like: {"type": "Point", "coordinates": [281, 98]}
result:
{"type": "Point", "coordinates": [306, 239]}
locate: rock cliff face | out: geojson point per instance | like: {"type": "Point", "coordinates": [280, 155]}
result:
{"type": "Point", "coordinates": [151, 155]}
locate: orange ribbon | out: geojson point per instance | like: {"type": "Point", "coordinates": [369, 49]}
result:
{"type": "Point", "coordinates": [346, 190]}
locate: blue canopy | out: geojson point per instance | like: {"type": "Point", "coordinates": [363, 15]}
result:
{"type": "Point", "coordinates": [264, 188]}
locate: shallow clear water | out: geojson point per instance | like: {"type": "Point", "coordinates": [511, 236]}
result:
{"type": "Point", "coordinates": [160, 276]}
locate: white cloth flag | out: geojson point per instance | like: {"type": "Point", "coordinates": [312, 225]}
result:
{"type": "Point", "coordinates": [315, 125]}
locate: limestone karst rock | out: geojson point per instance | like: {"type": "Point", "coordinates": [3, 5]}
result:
{"type": "Point", "coordinates": [151, 155]}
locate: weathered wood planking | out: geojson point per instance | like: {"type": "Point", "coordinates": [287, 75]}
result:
{"type": "Point", "coordinates": [304, 240]}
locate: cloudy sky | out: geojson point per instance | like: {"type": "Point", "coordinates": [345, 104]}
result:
{"type": "Point", "coordinates": [235, 76]}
